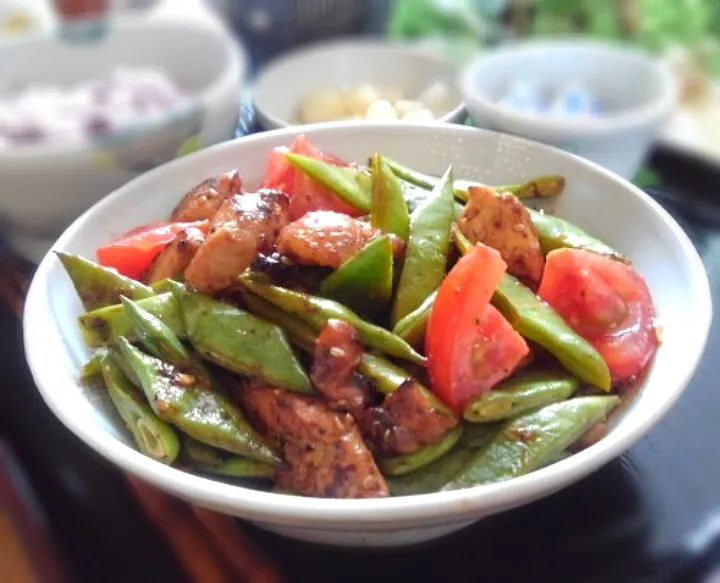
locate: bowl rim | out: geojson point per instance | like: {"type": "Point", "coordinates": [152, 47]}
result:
{"type": "Point", "coordinates": [211, 93]}
{"type": "Point", "coordinates": [288, 509]}
{"type": "Point", "coordinates": [314, 49]}
{"type": "Point", "coordinates": [654, 110]}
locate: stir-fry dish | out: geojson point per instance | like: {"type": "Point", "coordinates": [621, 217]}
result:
{"type": "Point", "coordinates": [356, 331]}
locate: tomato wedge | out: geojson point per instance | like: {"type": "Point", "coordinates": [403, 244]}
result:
{"type": "Point", "coordinates": [608, 303]}
{"type": "Point", "coordinates": [306, 194]}
{"type": "Point", "coordinates": [469, 344]}
{"type": "Point", "coordinates": [134, 253]}
{"type": "Point", "coordinates": [143, 228]}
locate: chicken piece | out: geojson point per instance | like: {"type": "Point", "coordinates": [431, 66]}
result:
{"type": "Point", "coordinates": [203, 201]}
{"type": "Point", "coordinates": [324, 453]}
{"type": "Point", "coordinates": [405, 421]}
{"type": "Point", "coordinates": [328, 238]}
{"type": "Point", "coordinates": [501, 221]}
{"type": "Point", "coordinates": [172, 261]}
{"type": "Point", "coordinates": [245, 225]}
{"type": "Point", "coordinates": [337, 353]}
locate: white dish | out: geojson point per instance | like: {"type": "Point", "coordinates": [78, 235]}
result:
{"type": "Point", "coordinates": [597, 200]}
{"type": "Point", "coordinates": [46, 187]}
{"type": "Point", "coordinates": [281, 86]}
{"type": "Point", "coordinates": [639, 92]}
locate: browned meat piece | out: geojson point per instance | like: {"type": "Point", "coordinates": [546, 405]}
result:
{"type": "Point", "coordinates": [288, 274]}
{"type": "Point", "coordinates": [405, 421]}
{"type": "Point", "coordinates": [327, 238]}
{"type": "Point", "coordinates": [501, 221]}
{"type": "Point", "coordinates": [337, 353]}
{"type": "Point", "coordinates": [244, 226]}
{"type": "Point", "coordinates": [325, 455]}
{"type": "Point", "coordinates": [203, 201]}
{"type": "Point", "coordinates": [172, 261]}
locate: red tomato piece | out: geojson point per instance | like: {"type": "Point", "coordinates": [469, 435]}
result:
{"type": "Point", "coordinates": [133, 254]}
{"type": "Point", "coordinates": [608, 303]}
{"type": "Point", "coordinates": [306, 194]}
{"type": "Point", "coordinates": [469, 345]}
{"type": "Point", "coordinates": [143, 228]}
{"type": "Point", "coordinates": [279, 174]}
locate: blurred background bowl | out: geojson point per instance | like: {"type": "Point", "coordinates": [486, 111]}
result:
{"type": "Point", "coordinates": [281, 86]}
{"type": "Point", "coordinates": [45, 187]}
{"type": "Point", "coordinates": [636, 91]}
{"type": "Point", "coordinates": [272, 27]}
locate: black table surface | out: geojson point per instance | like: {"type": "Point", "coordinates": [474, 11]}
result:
{"type": "Point", "coordinates": [651, 515]}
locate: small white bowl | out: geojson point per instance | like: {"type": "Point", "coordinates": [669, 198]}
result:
{"type": "Point", "coordinates": [597, 200]}
{"type": "Point", "coordinates": [638, 91]}
{"type": "Point", "coordinates": [281, 86]}
{"type": "Point", "coordinates": [45, 187]}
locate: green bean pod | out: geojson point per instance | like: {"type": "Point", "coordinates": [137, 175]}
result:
{"type": "Point", "coordinates": [427, 250]}
{"type": "Point", "coordinates": [103, 326]}
{"type": "Point", "coordinates": [385, 376]}
{"type": "Point", "coordinates": [364, 283]}
{"type": "Point", "coordinates": [163, 286]}
{"type": "Point", "coordinates": [316, 311]}
{"type": "Point", "coordinates": [91, 369]}
{"type": "Point", "coordinates": [194, 408]}
{"type": "Point", "coordinates": [154, 438]}
{"type": "Point", "coordinates": [537, 321]}
{"type": "Point", "coordinates": [99, 286]}
{"type": "Point", "coordinates": [206, 459]}
{"type": "Point", "coordinates": [538, 187]}
{"type": "Point", "coordinates": [435, 475]}
{"type": "Point", "coordinates": [389, 211]}
{"type": "Point", "coordinates": [241, 342]}
{"type": "Point", "coordinates": [555, 233]}
{"type": "Point", "coordinates": [411, 462]}
{"type": "Point", "coordinates": [155, 336]}
{"type": "Point", "coordinates": [412, 327]}
{"type": "Point", "coordinates": [520, 394]}
{"type": "Point", "coordinates": [298, 331]}
{"type": "Point", "coordinates": [412, 176]}
{"type": "Point", "coordinates": [528, 442]}
{"type": "Point", "coordinates": [345, 182]}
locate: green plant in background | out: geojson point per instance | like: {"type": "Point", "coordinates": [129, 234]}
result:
{"type": "Point", "coordinates": [460, 27]}
{"type": "Point", "coordinates": [470, 24]}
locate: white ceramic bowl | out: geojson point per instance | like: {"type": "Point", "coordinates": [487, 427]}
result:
{"type": "Point", "coordinates": [637, 91]}
{"type": "Point", "coordinates": [45, 188]}
{"type": "Point", "coordinates": [332, 65]}
{"type": "Point", "coordinates": [596, 199]}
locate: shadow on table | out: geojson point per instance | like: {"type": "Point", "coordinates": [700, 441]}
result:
{"type": "Point", "coordinates": [549, 540]}
{"type": "Point", "coordinates": [95, 523]}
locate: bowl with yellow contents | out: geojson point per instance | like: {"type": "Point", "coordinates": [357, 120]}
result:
{"type": "Point", "coordinates": [354, 79]}
{"type": "Point", "coordinates": [368, 334]}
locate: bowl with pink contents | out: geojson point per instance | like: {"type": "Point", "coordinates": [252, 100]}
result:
{"type": "Point", "coordinates": [78, 120]}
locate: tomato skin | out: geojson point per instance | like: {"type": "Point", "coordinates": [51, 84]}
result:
{"type": "Point", "coordinates": [608, 303]}
{"type": "Point", "coordinates": [306, 194]}
{"type": "Point", "coordinates": [469, 344]}
{"type": "Point", "coordinates": [142, 228]}
{"type": "Point", "coordinates": [134, 253]}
